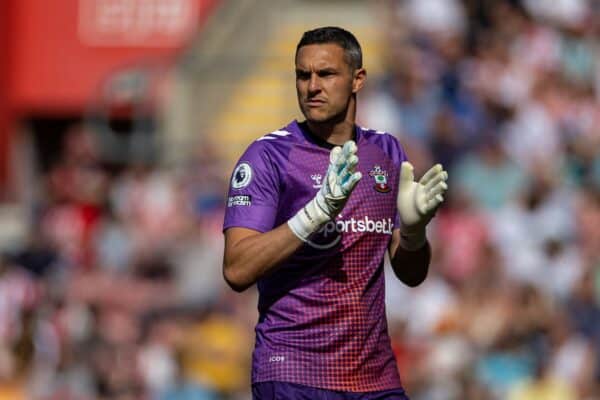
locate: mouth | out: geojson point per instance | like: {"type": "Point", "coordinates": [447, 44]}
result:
{"type": "Point", "coordinates": [314, 102]}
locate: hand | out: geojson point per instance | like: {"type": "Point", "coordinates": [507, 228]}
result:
{"type": "Point", "coordinates": [418, 201]}
{"type": "Point", "coordinates": [340, 181]}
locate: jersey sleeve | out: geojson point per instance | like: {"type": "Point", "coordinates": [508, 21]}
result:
{"type": "Point", "coordinates": [395, 150]}
{"type": "Point", "coordinates": [253, 195]}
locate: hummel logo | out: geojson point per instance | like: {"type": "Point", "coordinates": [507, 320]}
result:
{"type": "Point", "coordinates": [317, 180]}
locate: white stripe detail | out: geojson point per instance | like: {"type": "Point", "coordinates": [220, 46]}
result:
{"type": "Point", "coordinates": [280, 133]}
{"type": "Point", "coordinates": [367, 129]}
{"type": "Point", "coordinates": [276, 133]}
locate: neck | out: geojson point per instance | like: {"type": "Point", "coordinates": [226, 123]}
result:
{"type": "Point", "coordinates": [337, 131]}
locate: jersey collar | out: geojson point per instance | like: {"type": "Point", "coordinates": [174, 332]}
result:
{"type": "Point", "coordinates": [303, 129]}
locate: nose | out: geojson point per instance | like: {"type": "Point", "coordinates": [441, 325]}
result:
{"type": "Point", "coordinates": [314, 85]}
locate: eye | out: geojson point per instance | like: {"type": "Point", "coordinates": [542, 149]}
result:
{"type": "Point", "coordinates": [302, 75]}
{"type": "Point", "coordinates": [326, 73]}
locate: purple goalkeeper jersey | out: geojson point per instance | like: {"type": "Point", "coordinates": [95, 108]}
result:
{"type": "Point", "coordinates": [322, 316]}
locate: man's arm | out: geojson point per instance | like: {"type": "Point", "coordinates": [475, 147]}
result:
{"type": "Point", "coordinates": [409, 266]}
{"type": "Point", "coordinates": [250, 254]}
{"type": "Point", "coordinates": [417, 203]}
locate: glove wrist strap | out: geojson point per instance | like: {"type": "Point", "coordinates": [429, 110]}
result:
{"type": "Point", "coordinates": [308, 220]}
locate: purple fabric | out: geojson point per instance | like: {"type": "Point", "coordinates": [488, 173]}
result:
{"type": "Point", "coordinates": [292, 391]}
{"type": "Point", "coordinates": [322, 313]}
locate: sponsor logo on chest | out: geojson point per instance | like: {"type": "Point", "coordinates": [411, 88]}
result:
{"type": "Point", "coordinates": [331, 232]}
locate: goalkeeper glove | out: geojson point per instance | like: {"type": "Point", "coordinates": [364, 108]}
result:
{"type": "Point", "coordinates": [340, 180]}
{"type": "Point", "coordinates": [418, 202]}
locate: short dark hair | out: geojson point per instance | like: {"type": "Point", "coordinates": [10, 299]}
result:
{"type": "Point", "coordinates": [339, 36]}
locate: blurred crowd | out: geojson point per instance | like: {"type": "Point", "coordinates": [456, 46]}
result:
{"type": "Point", "coordinates": [505, 94]}
{"type": "Point", "coordinates": [117, 292]}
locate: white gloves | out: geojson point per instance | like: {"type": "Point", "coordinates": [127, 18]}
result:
{"type": "Point", "coordinates": [339, 182]}
{"type": "Point", "coordinates": [418, 202]}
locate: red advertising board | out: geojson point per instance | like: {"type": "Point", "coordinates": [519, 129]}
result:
{"type": "Point", "coordinates": [60, 50]}
{"type": "Point", "coordinates": [55, 53]}
{"type": "Point", "coordinates": [5, 114]}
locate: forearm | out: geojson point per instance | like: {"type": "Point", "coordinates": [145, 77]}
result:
{"type": "Point", "coordinates": [249, 254]}
{"type": "Point", "coordinates": [255, 255]}
{"type": "Point", "coordinates": [417, 204]}
{"type": "Point", "coordinates": [411, 266]}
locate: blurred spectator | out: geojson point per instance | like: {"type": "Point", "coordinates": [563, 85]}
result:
{"type": "Point", "coordinates": [536, 234]}
{"type": "Point", "coordinates": [488, 176]}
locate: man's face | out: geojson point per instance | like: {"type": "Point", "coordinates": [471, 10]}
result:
{"type": "Point", "coordinates": [325, 82]}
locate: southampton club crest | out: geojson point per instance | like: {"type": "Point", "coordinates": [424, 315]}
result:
{"type": "Point", "coordinates": [380, 177]}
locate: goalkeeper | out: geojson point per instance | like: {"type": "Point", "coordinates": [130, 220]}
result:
{"type": "Point", "coordinates": [312, 208]}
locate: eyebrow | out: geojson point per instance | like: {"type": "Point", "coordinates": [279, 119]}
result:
{"type": "Point", "coordinates": [318, 71]}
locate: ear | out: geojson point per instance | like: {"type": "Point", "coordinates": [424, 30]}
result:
{"type": "Point", "coordinates": [360, 77]}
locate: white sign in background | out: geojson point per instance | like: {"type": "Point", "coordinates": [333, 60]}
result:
{"type": "Point", "coordinates": [139, 23]}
